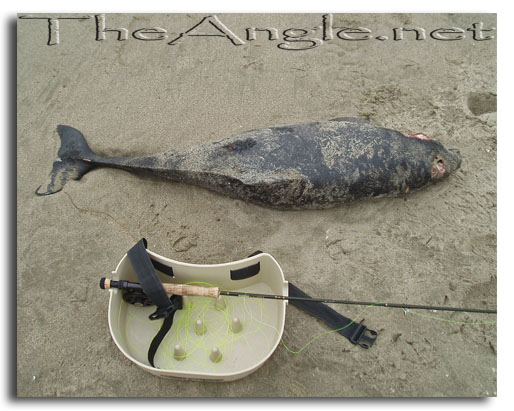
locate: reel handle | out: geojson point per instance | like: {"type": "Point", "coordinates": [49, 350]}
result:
{"type": "Point", "coordinates": [175, 289]}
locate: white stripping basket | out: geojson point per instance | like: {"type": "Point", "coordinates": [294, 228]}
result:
{"type": "Point", "coordinates": [220, 339]}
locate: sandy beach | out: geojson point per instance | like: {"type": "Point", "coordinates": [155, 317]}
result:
{"type": "Point", "coordinates": [142, 84]}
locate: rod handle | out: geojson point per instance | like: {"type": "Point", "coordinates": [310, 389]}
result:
{"type": "Point", "coordinates": [175, 289]}
{"type": "Point", "coordinates": [191, 290]}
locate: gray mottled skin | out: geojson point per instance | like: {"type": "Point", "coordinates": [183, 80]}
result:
{"type": "Point", "coordinates": [312, 165]}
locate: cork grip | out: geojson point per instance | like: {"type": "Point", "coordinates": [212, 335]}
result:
{"type": "Point", "coordinates": [191, 290]}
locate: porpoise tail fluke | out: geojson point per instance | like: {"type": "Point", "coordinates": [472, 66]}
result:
{"type": "Point", "coordinates": [73, 160]}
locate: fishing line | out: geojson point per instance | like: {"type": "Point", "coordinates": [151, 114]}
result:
{"type": "Point", "coordinates": [218, 324]}
{"type": "Point", "coordinates": [183, 333]}
{"type": "Point", "coordinates": [87, 210]}
{"type": "Point", "coordinates": [317, 337]}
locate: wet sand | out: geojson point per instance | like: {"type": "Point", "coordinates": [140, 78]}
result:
{"type": "Point", "coordinates": [134, 97]}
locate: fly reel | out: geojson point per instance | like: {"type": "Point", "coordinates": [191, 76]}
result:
{"type": "Point", "coordinates": [137, 298]}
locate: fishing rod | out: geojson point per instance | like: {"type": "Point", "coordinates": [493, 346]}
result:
{"type": "Point", "coordinates": [215, 292]}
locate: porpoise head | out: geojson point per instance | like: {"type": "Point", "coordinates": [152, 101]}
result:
{"type": "Point", "coordinates": [445, 162]}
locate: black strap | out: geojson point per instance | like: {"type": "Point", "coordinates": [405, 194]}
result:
{"type": "Point", "coordinates": [176, 302]}
{"type": "Point", "coordinates": [149, 280]}
{"type": "Point", "coordinates": [143, 266]}
{"type": "Point", "coordinates": [357, 333]}
{"type": "Point", "coordinates": [245, 272]}
{"type": "Point", "coordinates": [165, 269]}
{"type": "Point", "coordinates": [255, 253]}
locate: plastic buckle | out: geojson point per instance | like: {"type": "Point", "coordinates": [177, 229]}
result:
{"type": "Point", "coordinates": [363, 336]}
{"type": "Point", "coordinates": [163, 312]}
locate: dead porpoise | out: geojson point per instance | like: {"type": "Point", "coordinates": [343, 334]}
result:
{"type": "Point", "coordinates": [312, 165]}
